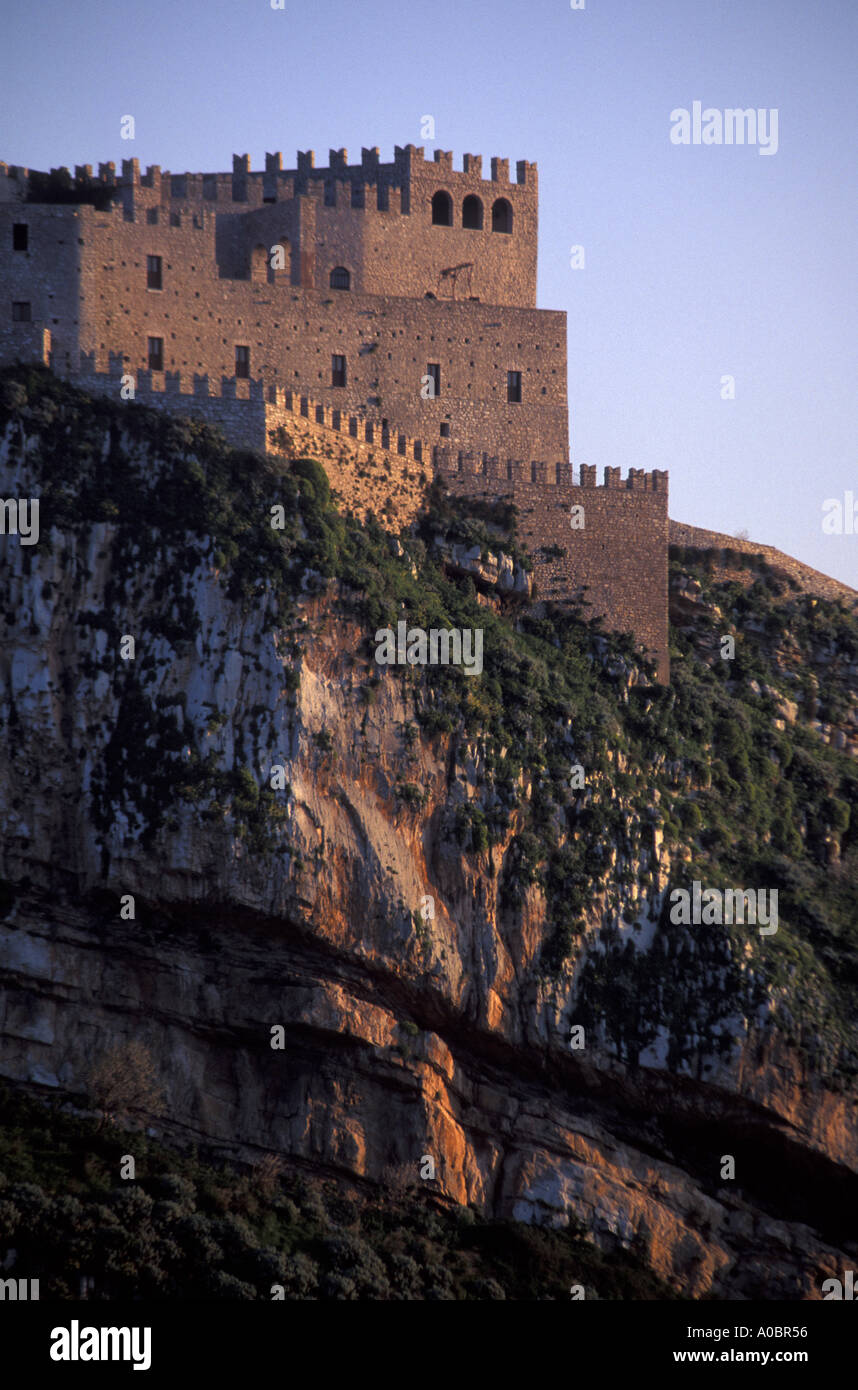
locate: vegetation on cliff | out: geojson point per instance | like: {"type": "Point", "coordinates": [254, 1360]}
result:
{"type": "Point", "coordinates": [186, 1229]}
{"type": "Point", "coordinates": [740, 795]}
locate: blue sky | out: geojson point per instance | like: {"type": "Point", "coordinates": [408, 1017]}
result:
{"type": "Point", "coordinates": [700, 261]}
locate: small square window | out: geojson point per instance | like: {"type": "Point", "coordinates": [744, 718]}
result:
{"type": "Point", "coordinates": [20, 236]}
{"type": "Point", "coordinates": [156, 354]}
{"type": "Point", "coordinates": [242, 360]}
{"type": "Point", "coordinates": [338, 370]}
{"type": "Point", "coordinates": [154, 276]}
{"type": "Point", "coordinates": [21, 311]}
{"type": "Point", "coordinates": [513, 387]}
{"type": "Point", "coordinates": [433, 371]}
{"type": "Point", "coordinates": [445, 431]}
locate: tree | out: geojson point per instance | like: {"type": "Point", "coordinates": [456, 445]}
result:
{"type": "Point", "coordinates": [123, 1080]}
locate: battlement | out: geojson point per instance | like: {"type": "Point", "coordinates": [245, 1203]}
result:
{"type": "Point", "coordinates": [459, 467]}
{"type": "Point", "coordinates": [638, 480]}
{"type": "Point", "coordinates": [412, 159]}
{"type": "Point", "coordinates": [274, 183]}
{"type": "Point", "coordinates": [408, 227]}
{"type": "Point", "coordinates": [17, 182]}
{"type": "Point", "coordinates": [614, 561]}
{"type": "Point", "coordinates": [185, 391]}
{"type": "Point", "coordinates": [490, 470]}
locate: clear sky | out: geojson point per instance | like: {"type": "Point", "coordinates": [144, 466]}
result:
{"type": "Point", "coordinates": [700, 261]}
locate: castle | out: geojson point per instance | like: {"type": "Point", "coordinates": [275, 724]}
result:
{"type": "Point", "coordinates": [390, 305]}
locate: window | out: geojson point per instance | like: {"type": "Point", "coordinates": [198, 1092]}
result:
{"type": "Point", "coordinates": [20, 236]}
{"type": "Point", "coordinates": [433, 371]}
{"type": "Point", "coordinates": [338, 370]}
{"type": "Point", "coordinates": [445, 431]}
{"type": "Point", "coordinates": [472, 212]}
{"type": "Point", "coordinates": [513, 386]}
{"type": "Point", "coordinates": [340, 278]}
{"type": "Point", "coordinates": [242, 360]}
{"type": "Point", "coordinates": [21, 311]}
{"type": "Point", "coordinates": [259, 264]}
{"type": "Point", "coordinates": [442, 210]}
{"type": "Point", "coordinates": [156, 354]}
{"type": "Point", "coordinates": [152, 216]}
{"type": "Point", "coordinates": [501, 216]}
{"type": "Point", "coordinates": [153, 273]}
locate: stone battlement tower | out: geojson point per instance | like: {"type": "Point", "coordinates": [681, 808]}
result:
{"type": "Point", "coordinates": [401, 295]}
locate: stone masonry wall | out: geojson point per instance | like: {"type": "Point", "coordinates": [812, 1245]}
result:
{"type": "Point", "coordinates": [292, 334]}
{"type": "Point", "coordinates": [367, 476]}
{"type": "Point", "coordinates": [809, 579]}
{"type": "Point", "coordinates": [84, 276]}
{"type": "Point", "coordinates": [616, 565]}
{"type": "Point", "coordinates": [46, 277]}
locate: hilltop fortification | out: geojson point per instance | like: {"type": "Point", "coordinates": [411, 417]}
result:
{"type": "Point", "coordinates": [388, 303]}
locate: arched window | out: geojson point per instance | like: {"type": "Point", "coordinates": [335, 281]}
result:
{"type": "Point", "coordinates": [501, 216]}
{"type": "Point", "coordinates": [340, 278]}
{"type": "Point", "coordinates": [442, 209]}
{"type": "Point", "coordinates": [472, 212]}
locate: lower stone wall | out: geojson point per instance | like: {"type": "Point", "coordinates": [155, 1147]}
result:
{"type": "Point", "coordinates": [240, 418]}
{"type": "Point", "coordinates": [616, 564]}
{"type": "Point", "coordinates": [367, 477]}
{"type": "Point", "coordinates": [811, 580]}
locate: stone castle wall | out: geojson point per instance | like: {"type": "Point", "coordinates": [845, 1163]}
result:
{"type": "Point", "coordinates": [92, 312]}
{"type": "Point", "coordinates": [721, 544]}
{"type": "Point", "coordinates": [84, 275]}
{"type": "Point", "coordinates": [615, 564]}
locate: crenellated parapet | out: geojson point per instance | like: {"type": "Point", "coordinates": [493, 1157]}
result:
{"type": "Point", "coordinates": [460, 468]}
{"type": "Point", "coordinates": [638, 480]}
{"type": "Point", "coordinates": [412, 160]}
{"type": "Point", "coordinates": [489, 469]}
{"type": "Point", "coordinates": [275, 183]}
{"type": "Point", "coordinates": [194, 392]}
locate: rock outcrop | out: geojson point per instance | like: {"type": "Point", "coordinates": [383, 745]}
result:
{"type": "Point", "coordinates": [417, 1019]}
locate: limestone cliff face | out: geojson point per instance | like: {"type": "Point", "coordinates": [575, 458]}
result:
{"type": "Point", "coordinates": [405, 1035]}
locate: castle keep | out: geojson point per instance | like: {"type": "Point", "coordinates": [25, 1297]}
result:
{"type": "Point", "coordinates": [390, 304]}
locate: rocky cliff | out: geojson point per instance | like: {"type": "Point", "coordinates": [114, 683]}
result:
{"type": "Point", "coordinates": [221, 817]}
